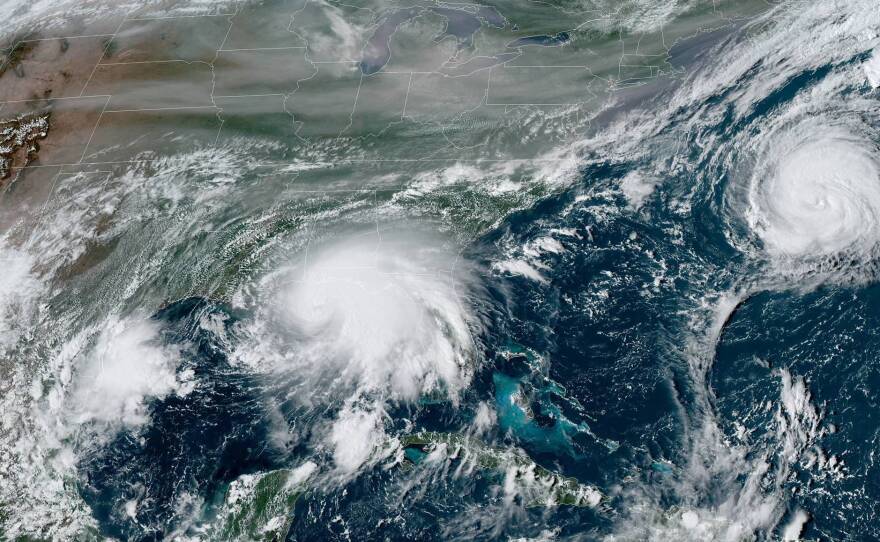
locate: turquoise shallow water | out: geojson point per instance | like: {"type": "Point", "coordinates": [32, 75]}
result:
{"type": "Point", "coordinates": [513, 271]}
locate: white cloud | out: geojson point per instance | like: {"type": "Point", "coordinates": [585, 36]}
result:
{"type": "Point", "coordinates": [125, 369]}
{"type": "Point", "coordinates": [355, 436]}
{"type": "Point", "coordinates": [637, 188]}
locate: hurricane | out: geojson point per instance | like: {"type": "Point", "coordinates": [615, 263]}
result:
{"type": "Point", "coordinates": [502, 270]}
{"type": "Point", "coordinates": [391, 305]}
{"type": "Point", "coordinates": [816, 195]}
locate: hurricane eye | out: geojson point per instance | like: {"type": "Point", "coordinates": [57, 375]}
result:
{"type": "Point", "coordinates": [816, 192]}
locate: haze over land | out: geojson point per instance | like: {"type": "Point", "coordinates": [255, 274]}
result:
{"type": "Point", "coordinates": [508, 270]}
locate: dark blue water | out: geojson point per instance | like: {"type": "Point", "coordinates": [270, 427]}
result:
{"type": "Point", "coordinates": [828, 337]}
{"type": "Point", "coordinates": [588, 372]}
{"type": "Point", "coordinates": [460, 24]}
{"type": "Point", "coordinates": [194, 445]}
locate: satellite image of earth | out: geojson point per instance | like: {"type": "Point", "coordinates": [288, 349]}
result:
{"type": "Point", "coordinates": [418, 270]}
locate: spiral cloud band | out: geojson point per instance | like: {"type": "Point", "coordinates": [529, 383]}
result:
{"type": "Point", "coordinates": [816, 192]}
